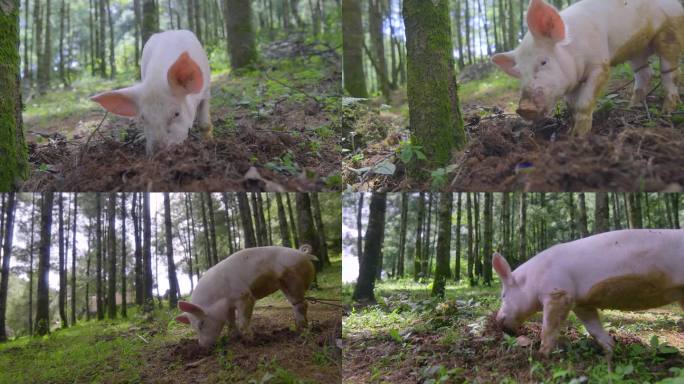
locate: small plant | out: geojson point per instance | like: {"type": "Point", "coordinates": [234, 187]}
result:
{"type": "Point", "coordinates": [409, 152]}
{"type": "Point", "coordinates": [439, 374]}
{"type": "Point", "coordinates": [439, 176]}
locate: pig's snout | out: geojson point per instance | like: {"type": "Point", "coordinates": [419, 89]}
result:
{"type": "Point", "coordinates": [506, 326]}
{"type": "Point", "coordinates": [528, 114]}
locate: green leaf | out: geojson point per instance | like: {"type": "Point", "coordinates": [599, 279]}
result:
{"type": "Point", "coordinates": [385, 168]}
{"type": "Point", "coordinates": [394, 334]}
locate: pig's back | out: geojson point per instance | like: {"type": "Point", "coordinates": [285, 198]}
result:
{"type": "Point", "coordinates": [163, 49]}
{"type": "Point", "coordinates": [611, 255]}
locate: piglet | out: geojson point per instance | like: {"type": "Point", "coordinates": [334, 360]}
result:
{"type": "Point", "coordinates": [174, 87]}
{"type": "Point", "coordinates": [229, 289]}
{"type": "Point", "coordinates": [569, 54]}
{"type": "Point", "coordinates": [626, 270]}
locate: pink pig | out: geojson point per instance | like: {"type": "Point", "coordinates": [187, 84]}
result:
{"type": "Point", "coordinates": [175, 86]}
{"type": "Point", "coordinates": [569, 53]}
{"type": "Point", "coordinates": [625, 270]}
{"type": "Point", "coordinates": [230, 288]}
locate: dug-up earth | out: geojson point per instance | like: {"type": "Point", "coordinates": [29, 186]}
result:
{"type": "Point", "coordinates": [477, 351]}
{"type": "Point", "coordinates": [274, 131]}
{"type": "Point", "coordinates": [628, 149]}
{"type": "Point", "coordinates": [275, 355]}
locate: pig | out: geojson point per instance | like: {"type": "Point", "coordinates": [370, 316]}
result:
{"type": "Point", "coordinates": [625, 270]}
{"type": "Point", "coordinates": [569, 54]}
{"type": "Point", "coordinates": [175, 86]}
{"type": "Point", "coordinates": [229, 289]}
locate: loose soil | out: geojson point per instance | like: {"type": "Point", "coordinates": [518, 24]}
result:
{"type": "Point", "coordinates": [482, 355]}
{"type": "Point", "coordinates": [115, 159]}
{"type": "Point", "coordinates": [312, 356]}
{"type": "Point", "coordinates": [627, 150]}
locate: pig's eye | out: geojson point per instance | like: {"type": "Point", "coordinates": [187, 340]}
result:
{"type": "Point", "coordinates": [176, 114]}
{"type": "Point", "coordinates": [543, 63]}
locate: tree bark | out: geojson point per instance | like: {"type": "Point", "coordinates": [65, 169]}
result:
{"type": "Point", "coordinates": [457, 257]}
{"type": "Point", "coordinates": [246, 217]}
{"type": "Point", "coordinates": [318, 219]}
{"type": "Point", "coordinates": [601, 219]}
{"type": "Point", "coordinates": [150, 20]}
{"type": "Point", "coordinates": [352, 49]}
{"type": "Point", "coordinates": [98, 246]}
{"type": "Point", "coordinates": [212, 228]}
{"type": "Point", "coordinates": [402, 234]}
{"type": "Point", "coordinates": [111, 254]}
{"type": "Point", "coordinates": [443, 244]}
{"type": "Point", "coordinates": [522, 229]}
{"type": "Point", "coordinates": [43, 303]}
{"type": "Point", "coordinates": [31, 250]}
{"type": "Point", "coordinates": [171, 265]}
{"type": "Point", "coordinates": [375, 234]}
{"type": "Point", "coordinates": [148, 299]}
{"type": "Point", "coordinates": [241, 40]}
{"type": "Point", "coordinates": [488, 237]}
{"type": "Point", "coordinates": [205, 227]}
{"type": "Point", "coordinates": [418, 257]}
{"type": "Point", "coordinates": [307, 230]}
{"type": "Point", "coordinates": [293, 222]}
{"type": "Point", "coordinates": [6, 254]}
{"type": "Point", "coordinates": [282, 222]}
{"type": "Point", "coordinates": [124, 313]}
{"type": "Point", "coordinates": [436, 123]}
{"type": "Point", "coordinates": [139, 289]}
{"type": "Point", "coordinates": [583, 227]}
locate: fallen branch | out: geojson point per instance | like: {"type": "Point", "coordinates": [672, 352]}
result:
{"type": "Point", "coordinates": [90, 137]}
{"type": "Point", "coordinates": [196, 363]}
{"type": "Point", "coordinates": [143, 339]}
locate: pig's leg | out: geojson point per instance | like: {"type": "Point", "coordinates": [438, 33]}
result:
{"type": "Point", "coordinates": [232, 328]}
{"type": "Point", "coordinates": [591, 321]}
{"type": "Point", "coordinates": [669, 44]}
{"type": "Point", "coordinates": [294, 290]}
{"type": "Point", "coordinates": [642, 78]}
{"type": "Point", "coordinates": [585, 100]}
{"type": "Point", "coordinates": [557, 305]}
{"type": "Point", "coordinates": [244, 310]}
{"type": "Point", "coordinates": [205, 119]}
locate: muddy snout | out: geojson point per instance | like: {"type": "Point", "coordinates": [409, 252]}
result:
{"type": "Point", "coordinates": [505, 326]}
{"type": "Point", "coordinates": [531, 106]}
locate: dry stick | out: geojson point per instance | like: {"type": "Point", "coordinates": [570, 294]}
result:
{"type": "Point", "coordinates": [85, 147]}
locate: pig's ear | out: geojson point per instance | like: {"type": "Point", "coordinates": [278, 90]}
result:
{"type": "Point", "coordinates": [191, 308]}
{"type": "Point", "coordinates": [121, 102]}
{"type": "Point", "coordinates": [185, 76]}
{"type": "Point", "coordinates": [544, 21]}
{"type": "Point", "coordinates": [506, 61]}
{"type": "Point", "coordinates": [502, 268]}
{"type": "Point", "coordinates": [183, 319]}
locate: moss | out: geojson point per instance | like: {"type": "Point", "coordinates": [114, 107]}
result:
{"type": "Point", "coordinates": [435, 116]}
{"type": "Point", "coordinates": [12, 146]}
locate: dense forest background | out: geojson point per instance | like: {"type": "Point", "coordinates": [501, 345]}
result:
{"type": "Point", "coordinates": [471, 226]}
{"type": "Point", "coordinates": [66, 40]}
{"type": "Point", "coordinates": [72, 257]}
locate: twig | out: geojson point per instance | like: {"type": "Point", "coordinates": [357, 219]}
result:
{"type": "Point", "coordinates": [196, 363]}
{"type": "Point", "coordinates": [85, 147]}
{"type": "Point", "coordinates": [142, 338]}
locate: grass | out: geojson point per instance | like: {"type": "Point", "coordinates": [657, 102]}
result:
{"type": "Point", "coordinates": [122, 350]}
{"type": "Point", "coordinates": [447, 340]}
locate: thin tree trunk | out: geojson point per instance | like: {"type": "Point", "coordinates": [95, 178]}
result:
{"type": "Point", "coordinates": [417, 273]}
{"type": "Point", "coordinates": [148, 300]}
{"type": "Point", "coordinates": [6, 254]}
{"type": "Point", "coordinates": [402, 234]}
{"type": "Point", "coordinates": [246, 217]}
{"type": "Point", "coordinates": [73, 261]}
{"type": "Point", "coordinates": [375, 234]}
{"type": "Point", "coordinates": [43, 302]}
{"type": "Point", "coordinates": [31, 250]}
{"type": "Point", "coordinates": [62, 266]}
{"type": "Point", "coordinates": [443, 244]}
{"type": "Point", "coordinates": [171, 265]}
{"type": "Point", "coordinates": [293, 222]}
{"type": "Point", "coordinates": [124, 313]}
{"type": "Point", "coordinates": [111, 254]}
{"type": "Point", "coordinates": [457, 266]}
{"type": "Point", "coordinates": [212, 228]}
{"type": "Point", "coordinates": [318, 218]}
{"type": "Point", "coordinates": [282, 222]}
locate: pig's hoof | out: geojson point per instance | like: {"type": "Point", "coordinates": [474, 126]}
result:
{"type": "Point", "coordinates": [670, 103]}
{"type": "Point", "coordinates": [637, 98]}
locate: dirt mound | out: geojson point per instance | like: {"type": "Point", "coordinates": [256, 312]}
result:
{"type": "Point", "coordinates": [505, 153]}
{"type": "Point", "coordinates": [188, 350]}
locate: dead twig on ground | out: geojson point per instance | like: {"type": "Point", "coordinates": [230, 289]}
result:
{"type": "Point", "coordinates": [90, 137]}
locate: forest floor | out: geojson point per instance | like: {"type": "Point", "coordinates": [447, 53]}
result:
{"type": "Point", "coordinates": [280, 119]}
{"type": "Point", "coordinates": [411, 338]}
{"type": "Point", "coordinates": [628, 149]}
{"type": "Point", "coordinates": [160, 350]}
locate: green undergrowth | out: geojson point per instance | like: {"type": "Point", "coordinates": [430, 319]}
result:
{"type": "Point", "coordinates": [407, 317]}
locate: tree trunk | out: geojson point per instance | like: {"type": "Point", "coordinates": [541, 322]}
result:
{"type": "Point", "coordinates": [457, 256]}
{"type": "Point", "coordinates": [375, 234]}
{"type": "Point", "coordinates": [634, 206]}
{"type": "Point", "coordinates": [436, 123]}
{"type": "Point", "coordinates": [111, 253]}
{"type": "Point", "coordinates": [522, 253]}
{"type": "Point", "coordinates": [124, 313]}
{"type": "Point", "coordinates": [139, 289]}
{"type": "Point", "coordinates": [47, 51]}
{"type": "Point", "coordinates": [601, 219]}
{"type": "Point", "coordinates": [229, 231]}
{"type": "Point", "coordinates": [488, 237]}
{"type": "Point", "coordinates": [307, 230]}
{"type": "Point", "coordinates": [443, 244]}
{"type": "Point", "coordinates": [88, 253]}
{"type": "Point", "coordinates": [62, 265]}
{"type": "Point", "coordinates": [194, 235]}
{"type": "Point", "coordinates": [402, 234]}
{"type": "Point", "coordinates": [31, 250]}
{"type": "Point", "coordinates": [137, 22]}
{"type": "Point", "coordinates": [191, 237]}
{"type": "Point", "coordinates": [241, 40]}
{"type": "Point", "coordinates": [148, 299]}
{"type": "Point", "coordinates": [150, 20]}
{"type": "Point", "coordinates": [318, 218]}
{"type": "Point", "coordinates": [6, 254]}
{"type": "Point", "coordinates": [359, 228]}
{"type": "Point", "coordinates": [43, 302]}
{"type": "Point", "coordinates": [12, 145]}
{"type": "Point", "coordinates": [112, 60]}
{"type": "Point", "coordinates": [103, 37]}
{"type": "Point", "coordinates": [583, 227]}
{"type": "Point", "coordinates": [246, 217]}
{"type": "Point", "coordinates": [418, 257]}
{"type": "Point", "coordinates": [205, 227]}
{"type": "Point", "coordinates": [98, 250]}
{"type": "Point", "coordinates": [375, 21]}
{"type": "Point", "coordinates": [171, 265]}
{"type": "Point", "coordinates": [352, 49]}
{"type": "Point", "coordinates": [212, 228]}
{"type": "Point", "coordinates": [259, 229]}
{"type": "Point", "coordinates": [293, 222]}
{"type": "Point", "coordinates": [62, 19]}
{"type": "Point", "coordinates": [282, 222]}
